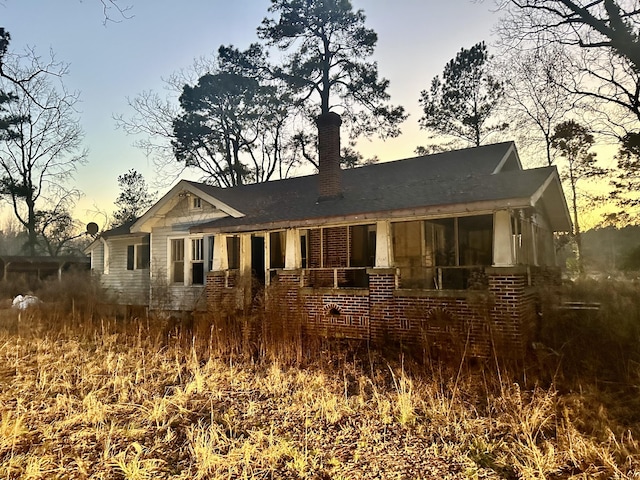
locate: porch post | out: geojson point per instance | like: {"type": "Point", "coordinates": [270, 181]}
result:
{"type": "Point", "coordinates": [384, 245]}
{"type": "Point", "coordinates": [220, 255]}
{"type": "Point", "coordinates": [292, 257]}
{"type": "Point", "coordinates": [245, 281]}
{"type": "Point", "coordinates": [502, 242]}
{"type": "Point", "coordinates": [245, 255]}
{"type": "Point", "coordinates": [534, 242]}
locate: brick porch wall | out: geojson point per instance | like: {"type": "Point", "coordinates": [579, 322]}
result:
{"type": "Point", "coordinates": [220, 292]}
{"type": "Point", "coordinates": [445, 321]}
{"type": "Point", "coordinates": [341, 313]}
{"type": "Point", "coordinates": [474, 322]}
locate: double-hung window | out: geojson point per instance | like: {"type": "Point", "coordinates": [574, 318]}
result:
{"type": "Point", "coordinates": [197, 261]}
{"type": "Point", "coordinates": [177, 260]}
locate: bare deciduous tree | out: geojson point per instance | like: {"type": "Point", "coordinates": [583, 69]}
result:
{"type": "Point", "coordinates": [535, 98]}
{"type": "Point", "coordinates": [45, 151]}
{"type": "Point", "coordinates": [604, 36]}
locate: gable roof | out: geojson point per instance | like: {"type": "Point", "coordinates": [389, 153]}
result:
{"type": "Point", "coordinates": [123, 230]}
{"type": "Point", "coordinates": [487, 177]}
{"type": "Point", "coordinates": [172, 197]}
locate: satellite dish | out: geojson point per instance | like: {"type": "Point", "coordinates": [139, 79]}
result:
{"type": "Point", "coordinates": [92, 228]}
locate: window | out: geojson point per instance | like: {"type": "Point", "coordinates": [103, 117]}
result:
{"type": "Point", "coordinates": [197, 261]}
{"type": "Point", "coordinates": [196, 203]}
{"type": "Point", "coordinates": [138, 257]}
{"type": "Point", "coordinates": [177, 260]}
{"type": "Point", "coordinates": [131, 256]}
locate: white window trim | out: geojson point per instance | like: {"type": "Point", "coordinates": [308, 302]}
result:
{"type": "Point", "coordinates": [193, 199]}
{"type": "Point", "coordinates": [187, 245]}
{"type": "Point", "coordinates": [105, 257]}
{"type": "Point", "coordinates": [203, 260]}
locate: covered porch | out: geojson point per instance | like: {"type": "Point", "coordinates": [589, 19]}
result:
{"type": "Point", "coordinates": [442, 253]}
{"type": "Point", "coordinates": [432, 280]}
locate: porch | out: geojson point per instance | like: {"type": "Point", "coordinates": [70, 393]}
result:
{"type": "Point", "coordinates": [441, 282]}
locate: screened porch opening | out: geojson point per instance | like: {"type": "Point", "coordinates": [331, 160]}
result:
{"type": "Point", "coordinates": [338, 257]}
{"type": "Point", "coordinates": [447, 253]}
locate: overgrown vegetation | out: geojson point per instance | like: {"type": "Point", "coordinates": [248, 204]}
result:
{"type": "Point", "coordinates": [83, 395]}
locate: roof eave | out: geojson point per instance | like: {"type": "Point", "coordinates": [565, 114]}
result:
{"type": "Point", "coordinates": [436, 211]}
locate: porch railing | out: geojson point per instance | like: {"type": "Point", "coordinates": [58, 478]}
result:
{"type": "Point", "coordinates": [423, 278]}
{"type": "Point", "coordinates": [443, 278]}
{"type": "Point", "coordinates": [338, 277]}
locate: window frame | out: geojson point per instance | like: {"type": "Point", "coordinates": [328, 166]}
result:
{"type": "Point", "coordinates": [173, 261]}
{"type": "Point", "coordinates": [195, 202]}
{"type": "Point", "coordinates": [196, 257]}
{"type": "Point", "coordinates": [135, 256]}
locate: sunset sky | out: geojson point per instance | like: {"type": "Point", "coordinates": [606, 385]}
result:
{"type": "Point", "coordinates": [110, 63]}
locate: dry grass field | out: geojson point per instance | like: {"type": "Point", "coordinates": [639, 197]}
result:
{"type": "Point", "coordinates": [86, 396]}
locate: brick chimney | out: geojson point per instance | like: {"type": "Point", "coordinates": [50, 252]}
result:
{"type": "Point", "coordinates": [329, 175]}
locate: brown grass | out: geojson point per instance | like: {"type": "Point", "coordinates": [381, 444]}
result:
{"type": "Point", "coordinates": [85, 396]}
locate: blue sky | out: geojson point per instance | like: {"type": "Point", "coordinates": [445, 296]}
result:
{"type": "Point", "coordinates": [110, 63]}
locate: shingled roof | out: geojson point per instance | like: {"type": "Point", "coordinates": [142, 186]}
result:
{"type": "Point", "coordinates": [478, 178]}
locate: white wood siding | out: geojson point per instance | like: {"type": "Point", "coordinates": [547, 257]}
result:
{"type": "Point", "coordinates": [129, 287]}
{"type": "Point", "coordinates": [97, 258]}
{"type": "Point", "coordinates": [166, 295]}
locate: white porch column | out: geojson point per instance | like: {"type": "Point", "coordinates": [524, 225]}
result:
{"type": "Point", "coordinates": [384, 245]}
{"type": "Point", "coordinates": [534, 242]}
{"type": "Point", "coordinates": [245, 254]}
{"type": "Point", "coordinates": [220, 256]}
{"type": "Point", "coordinates": [502, 241]}
{"type": "Point", "coordinates": [292, 256]}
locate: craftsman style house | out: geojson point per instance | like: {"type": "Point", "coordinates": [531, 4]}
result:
{"type": "Point", "coordinates": [431, 248]}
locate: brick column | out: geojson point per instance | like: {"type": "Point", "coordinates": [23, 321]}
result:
{"type": "Point", "coordinates": [215, 286]}
{"type": "Point", "coordinates": [286, 289]}
{"type": "Point", "coordinates": [382, 282]}
{"type": "Point", "coordinates": [513, 310]}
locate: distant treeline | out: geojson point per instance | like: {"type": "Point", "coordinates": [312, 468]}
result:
{"type": "Point", "coordinates": [610, 248]}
